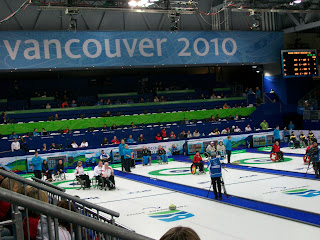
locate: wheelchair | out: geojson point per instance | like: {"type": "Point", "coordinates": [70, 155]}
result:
{"type": "Point", "coordinates": [194, 171]}
{"type": "Point", "coordinates": [149, 161]}
{"type": "Point", "coordinates": [101, 183]}
{"type": "Point", "coordinates": [294, 144]}
{"type": "Point", "coordinates": [161, 159]}
{"type": "Point", "coordinates": [59, 177]}
{"type": "Point", "coordinates": [306, 159]}
{"type": "Point", "coordinates": [274, 157]}
{"type": "Point", "coordinates": [78, 183]}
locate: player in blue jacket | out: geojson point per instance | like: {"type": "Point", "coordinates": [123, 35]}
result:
{"type": "Point", "coordinates": [37, 165]}
{"type": "Point", "coordinates": [214, 167]}
{"type": "Point", "coordinates": [121, 154]}
{"type": "Point", "coordinates": [315, 159]}
{"type": "Point", "coordinates": [228, 145]}
{"type": "Point", "coordinates": [276, 134]}
{"type": "Point", "coordinates": [127, 157]}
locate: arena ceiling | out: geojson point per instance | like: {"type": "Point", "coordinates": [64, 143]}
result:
{"type": "Point", "coordinates": [144, 15]}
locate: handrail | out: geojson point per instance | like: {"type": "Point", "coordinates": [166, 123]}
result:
{"type": "Point", "coordinates": [58, 193]}
{"type": "Point", "coordinates": [48, 184]}
{"type": "Point", "coordinates": [69, 216]}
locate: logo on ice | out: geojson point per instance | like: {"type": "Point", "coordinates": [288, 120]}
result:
{"type": "Point", "coordinates": [171, 216]}
{"type": "Point", "coordinates": [302, 192]}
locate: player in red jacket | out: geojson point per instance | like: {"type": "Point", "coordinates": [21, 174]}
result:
{"type": "Point", "coordinates": [277, 151]}
{"type": "Point", "coordinates": [197, 161]}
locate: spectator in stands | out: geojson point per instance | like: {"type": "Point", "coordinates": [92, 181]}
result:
{"type": "Point", "coordinates": [115, 140]}
{"type": "Point", "coordinates": [56, 117]}
{"type": "Point", "coordinates": [67, 130]}
{"type": "Point", "coordinates": [141, 138]}
{"type": "Point", "coordinates": [130, 139]}
{"type": "Point", "coordinates": [4, 117]}
{"type": "Point", "coordinates": [108, 176]}
{"type": "Point", "coordinates": [104, 157]}
{"type": "Point", "coordinates": [84, 144]}
{"type": "Point", "coordinates": [132, 125]}
{"type": "Point", "coordinates": [79, 173]}
{"type": "Point", "coordinates": [13, 135]}
{"type": "Point", "coordinates": [211, 119]}
{"type": "Point", "coordinates": [65, 104]}
{"type": "Point", "coordinates": [130, 101]}
{"type": "Point", "coordinates": [217, 118]}
{"type": "Point", "coordinates": [162, 99]}
{"type": "Point", "coordinates": [118, 102]}
{"type": "Point", "coordinates": [211, 148]}
{"type": "Point", "coordinates": [113, 127]}
{"type": "Point", "coordinates": [37, 165]}
{"type": "Point", "coordinates": [73, 103]}
{"type": "Point", "coordinates": [202, 96]}
{"type": "Point", "coordinates": [44, 132]}
{"type": "Point", "coordinates": [53, 146]}
{"type": "Point", "coordinates": [212, 133]}
{"type": "Point", "coordinates": [225, 106]}
{"type": "Point", "coordinates": [5, 207]}
{"type": "Point", "coordinates": [23, 144]}
{"type": "Point", "coordinates": [217, 131]}
{"type": "Point", "coordinates": [74, 144]}
{"type": "Point", "coordinates": [46, 171]}
{"type": "Point", "coordinates": [189, 134]}
{"type": "Point", "coordinates": [104, 142]}
{"type": "Point", "coordinates": [236, 117]}
{"type": "Point", "coordinates": [291, 126]}
{"type": "Point", "coordinates": [100, 102]}
{"type": "Point", "coordinates": [156, 99]}
{"type": "Point", "coordinates": [141, 100]}
{"type": "Point", "coordinates": [108, 114]}
{"type": "Point", "coordinates": [163, 133]}
{"type": "Point", "coordinates": [250, 91]}
{"type": "Point", "coordinates": [248, 128]}
{"type": "Point", "coordinates": [229, 118]}
{"type": "Point", "coordinates": [44, 147]}
{"type": "Point", "coordinates": [225, 131]}
{"type": "Point", "coordinates": [180, 233]}
{"type": "Point", "coordinates": [15, 145]}
{"type": "Point", "coordinates": [264, 125]}
{"type": "Point", "coordinates": [182, 135]}
{"type": "Point", "coordinates": [221, 149]}
{"type": "Point", "coordinates": [108, 102]}
{"type": "Point", "coordinates": [258, 94]}
{"type": "Point", "coordinates": [232, 129]}
{"type": "Point", "coordinates": [237, 130]}
{"type": "Point", "coordinates": [104, 128]}
{"type": "Point", "coordinates": [213, 96]}
{"type": "Point", "coordinates": [158, 137]}
{"type": "Point", "coordinates": [64, 230]}
{"type": "Point", "coordinates": [35, 133]}
{"type": "Point", "coordinates": [48, 106]}
{"type": "Point", "coordinates": [196, 133]}
{"type": "Point", "coordinates": [185, 121]}
{"type": "Point", "coordinates": [222, 95]}
{"type": "Point", "coordinates": [172, 135]}
{"type": "Point", "coordinates": [59, 168]}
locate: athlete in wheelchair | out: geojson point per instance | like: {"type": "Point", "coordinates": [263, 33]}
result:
{"type": "Point", "coordinates": [197, 163]}
{"type": "Point", "coordinates": [306, 157]}
{"type": "Point", "coordinates": [59, 171]}
{"type": "Point", "coordinates": [81, 177]}
{"type": "Point", "coordinates": [162, 155]}
{"type": "Point", "coordinates": [146, 156]}
{"type": "Point", "coordinates": [107, 176]}
{"type": "Point", "coordinates": [293, 141]}
{"type": "Point", "coordinates": [221, 149]}
{"type": "Point", "coordinates": [97, 174]}
{"type": "Point", "coordinates": [276, 153]}
{"type": "Point", "coordinates": [209, 150]}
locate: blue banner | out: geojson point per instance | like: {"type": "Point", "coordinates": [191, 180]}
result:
{"type": "Point", "coordinates": [48, 50]}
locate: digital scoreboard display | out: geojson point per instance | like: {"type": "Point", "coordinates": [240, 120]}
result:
{"type": "Point", "coordinates": [299, 63]}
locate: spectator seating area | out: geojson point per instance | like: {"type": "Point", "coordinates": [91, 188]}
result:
{"type": "Point", "coordinates": [96, 137]}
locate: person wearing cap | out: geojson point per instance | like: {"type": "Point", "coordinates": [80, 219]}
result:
{"type": "Point", "coordinates": [211, 148]}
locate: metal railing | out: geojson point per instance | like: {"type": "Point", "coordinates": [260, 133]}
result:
{"type": "Point", "coordinates": [84, 227]}
{"type": "Point", "coordinates": [48, 184]}
{"type": "Point", "coordinates": [311, 115]}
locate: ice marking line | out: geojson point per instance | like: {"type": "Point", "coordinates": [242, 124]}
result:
{"type": "Point", "coordinates": [125, 199]}
{"type": "Point", "coordinates": [253, 180]}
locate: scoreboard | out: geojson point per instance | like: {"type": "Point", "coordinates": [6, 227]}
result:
{"type": "Point", "coordinates": [299, 63]}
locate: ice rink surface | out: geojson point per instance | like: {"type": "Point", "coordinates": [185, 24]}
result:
{"type": "Point", "coordinates": [144, 208]}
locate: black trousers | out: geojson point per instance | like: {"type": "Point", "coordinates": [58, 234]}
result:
{"type": "Point", "coordinates": [122, 163]}
{"type": "Point", "coordinates": [280, 155]}
{"type": "Point", "coordinates": [48, 174]}
{"type": "Point", "coordinates": [108, 181]}
{"type": "Point", "coordinates": [37, 174]}
{"type": "Point", "coordinates": [316, 167]}
{"type": "Point", "coordinates": [200, 165]}
{"type": "Point", "coordinates": [86, 180]}
{"type": "Point", "coordinates": [216, 182]}
{"type": "Point", "coordinates": [127, 163]}
{"type": "Point", "coordinates": [132, 163]}
{"type": "Point", "coordinates": [228, 155]}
